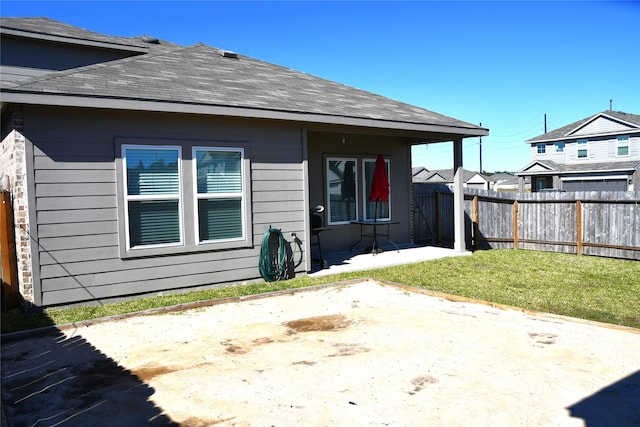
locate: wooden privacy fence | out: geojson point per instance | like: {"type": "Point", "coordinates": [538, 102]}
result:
{"type": "Point", "coordinates": [591, 223]}
{"type": "Point", "coordinates": [10, 290]}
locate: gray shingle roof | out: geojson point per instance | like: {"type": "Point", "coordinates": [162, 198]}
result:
{"type": "Point", "coordinates": [561, 133]}
{"type": "Point", "coordinates": [555, 168]}
{"type": "Point", "coordinates": [445, 176]}
{"type": "Point", "coordinates": [45, 27]}
{"type": "Point", "coordinates": [199, 75]}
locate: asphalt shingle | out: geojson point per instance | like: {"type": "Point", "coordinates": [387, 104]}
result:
{"type": "Point", "coordinates": [199, 75]}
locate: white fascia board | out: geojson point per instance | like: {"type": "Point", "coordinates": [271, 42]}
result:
{"type": "Point", "coordinates": [61, 100]}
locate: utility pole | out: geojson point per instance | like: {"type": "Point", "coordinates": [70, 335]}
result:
{"type": "Point", "coordinates": [610, 104]}
{"type": "Point", "coordinates": [545, 122]}
{"type": "Point", "coordinates": [480, 151]}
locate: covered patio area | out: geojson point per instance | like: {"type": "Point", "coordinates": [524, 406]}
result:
{"type": "Point", "coordinates": [346, 261]}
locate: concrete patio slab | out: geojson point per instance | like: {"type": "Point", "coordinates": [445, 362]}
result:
{"type": "Point", "coordinates": [345, 262]}
{"type": "Point", "coordinates": [357, 354]}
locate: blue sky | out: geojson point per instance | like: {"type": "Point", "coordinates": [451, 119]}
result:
{"type": "Point", "coordinates": [503, 64]}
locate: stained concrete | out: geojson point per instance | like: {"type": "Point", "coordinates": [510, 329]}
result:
{"type": "Point", "coordinates": [359, 354]}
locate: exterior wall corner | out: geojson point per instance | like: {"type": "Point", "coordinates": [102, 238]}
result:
{"type": "Point", "coordinates": [13, 163]}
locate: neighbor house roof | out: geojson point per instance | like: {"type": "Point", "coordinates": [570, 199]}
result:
{"type": "Point", "coordinates": [549, 167]}
{"type": "Point", "coordinates": [202, 79]}
{"type": "Point", "coordinates": [630, 120]}
{"type": "Point", "coordinates": [444, 176]}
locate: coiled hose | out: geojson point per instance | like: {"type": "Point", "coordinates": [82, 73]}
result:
{"type": "Point", "coordinates": [275, 263]}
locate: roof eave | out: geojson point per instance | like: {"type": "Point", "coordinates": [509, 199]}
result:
{"type": "Point", "coordinates": [62, 100]}
{"type": "Point", "coordinates": [576, 137]}
{"type": "Point", "coordinates": [74, 40]}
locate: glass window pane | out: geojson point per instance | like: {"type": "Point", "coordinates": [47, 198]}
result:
{"type": "Point", "coordinates": [220, 219]}
{"type": "Point", "coordinates": [152, 171]}
{"type": "Point", "coordinates": [341, 176]}
{"type": "Point", "coordinates": [153, 222]}
{"type": "Point", "coordinates": [219, 171]}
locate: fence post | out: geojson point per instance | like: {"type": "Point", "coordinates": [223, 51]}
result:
{"type": "Point", "coordinates": [438, 207]}
{"type": "Point", "coordinates": [474, 216]}
{"type": "Point", "coordinates": [10, 289]}
{"type": "Point", "coordinates": [515, 224]}
{"type": "Point", "coordinates": [579, 227]}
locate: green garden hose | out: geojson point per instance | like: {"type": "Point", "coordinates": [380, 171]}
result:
{"type": "Point", "coordinates": [274, 260]}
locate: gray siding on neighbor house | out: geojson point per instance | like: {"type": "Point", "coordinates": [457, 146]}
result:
{"type": "Point", "coordinates": [602, 149]}
{"type": "Point", "coordinates": [74, 197]}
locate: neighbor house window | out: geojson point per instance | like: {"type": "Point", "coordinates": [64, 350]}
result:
{"type": "Point", "coordinates": [582, 149]}
{"type": "Point", "coordinates": [220, 212]}
{"type": "Point", "coordinates": [342, 191]}
{"type": "Point", "coordinates": [559, 147]}
{"type": "Point", "coordinates": [373, 210]}
{"type": "Point", "coordinates": [152, 196]}
{"type": "Point", "coordinates": [542, 148]}
{"type": "Point", "coordinates": [622, 146]}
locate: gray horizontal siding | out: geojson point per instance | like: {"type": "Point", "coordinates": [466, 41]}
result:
{"type": "Point", "coordinates": [80, 202]}
{"type": "Point", "coordinates": [72, 242]}
{"type": "Point", "coordinates": [64, 257]}
{"type": "Point", "coordinates": [110, 264]}
{"type": "Point", "coordinates": [53, 176]}
{"type": "Point", "coordinates": [80, 293]}
{"type": "Point", "coordinates": [77, 229]}
{"type": "Point", "coordinates": [97, 279]}
{"type": "Point", "coordinates": [75, 189]}
{"type": "Point", "coordinates": [77, 205]}
{"type": "Point", "coordinates": [63, 216]}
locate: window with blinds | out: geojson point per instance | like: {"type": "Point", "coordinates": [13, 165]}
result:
{"type": "Point", "coordinates": [152, 194]}
{"type": "Point", "coordinates": [219, 193]}
{"type": "Point", "coordinates": [622, 147]}
{"type": "Point", "coordinates": [582, 151]}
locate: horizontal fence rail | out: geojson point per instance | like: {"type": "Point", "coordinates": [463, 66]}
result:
{"type": "Point", "coordinates": [603, 223]}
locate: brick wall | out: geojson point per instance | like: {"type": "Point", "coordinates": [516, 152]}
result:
{"type": "Point", "coordinates": [13, 163]}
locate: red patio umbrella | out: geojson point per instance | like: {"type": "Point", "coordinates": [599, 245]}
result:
{"type": "Point", "coordinates": [380, 182]}
{"type": "Point", "coordinates": [379, 192]}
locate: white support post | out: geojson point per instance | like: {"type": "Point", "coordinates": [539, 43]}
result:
{"type": "Point", "coordinates": [459, 243]}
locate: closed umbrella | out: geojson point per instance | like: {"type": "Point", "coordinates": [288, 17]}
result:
{"type": "Point", "coordinates": [379, 192]}
{"type": "Point", "coordinates": [379, 184]}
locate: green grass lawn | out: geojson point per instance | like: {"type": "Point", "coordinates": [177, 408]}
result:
{"type": "Point", "coordinates": [600, 289]}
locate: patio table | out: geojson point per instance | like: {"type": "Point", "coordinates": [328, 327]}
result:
{"type": "Point", "coordinates": [373, 233]}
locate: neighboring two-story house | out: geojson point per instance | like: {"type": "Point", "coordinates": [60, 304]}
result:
{"type": "Point", "coordinates": [598, 153]}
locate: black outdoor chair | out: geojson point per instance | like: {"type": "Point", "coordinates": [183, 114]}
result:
{"type": "Point", "coordinates": [317, 227]}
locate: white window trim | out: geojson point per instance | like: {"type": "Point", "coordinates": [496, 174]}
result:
{"type": "Point", "coordinates": [365, 191]}
{"type": "Point", "coordinates": [197, 196]}
{"type": "Point", "coordinates": [627, 143]}
{"type": "Point", "coordinates": [586, 143]}
{"type": "Point", "coordinates": [328, 194]}
{"type": "Point", "coordinates": [559, 147]}
{"type": "Point", "coordinates": [543, 147]}
{"type": "Point", "coordinates": [189, 237]}
{"type": "Point", "coordinates": [128, 197]}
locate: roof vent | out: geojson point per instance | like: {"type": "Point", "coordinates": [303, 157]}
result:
{"type": "Point", "coordinates": [228, 54]}
{"type": "Point", "coordinates": [150, 39]}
